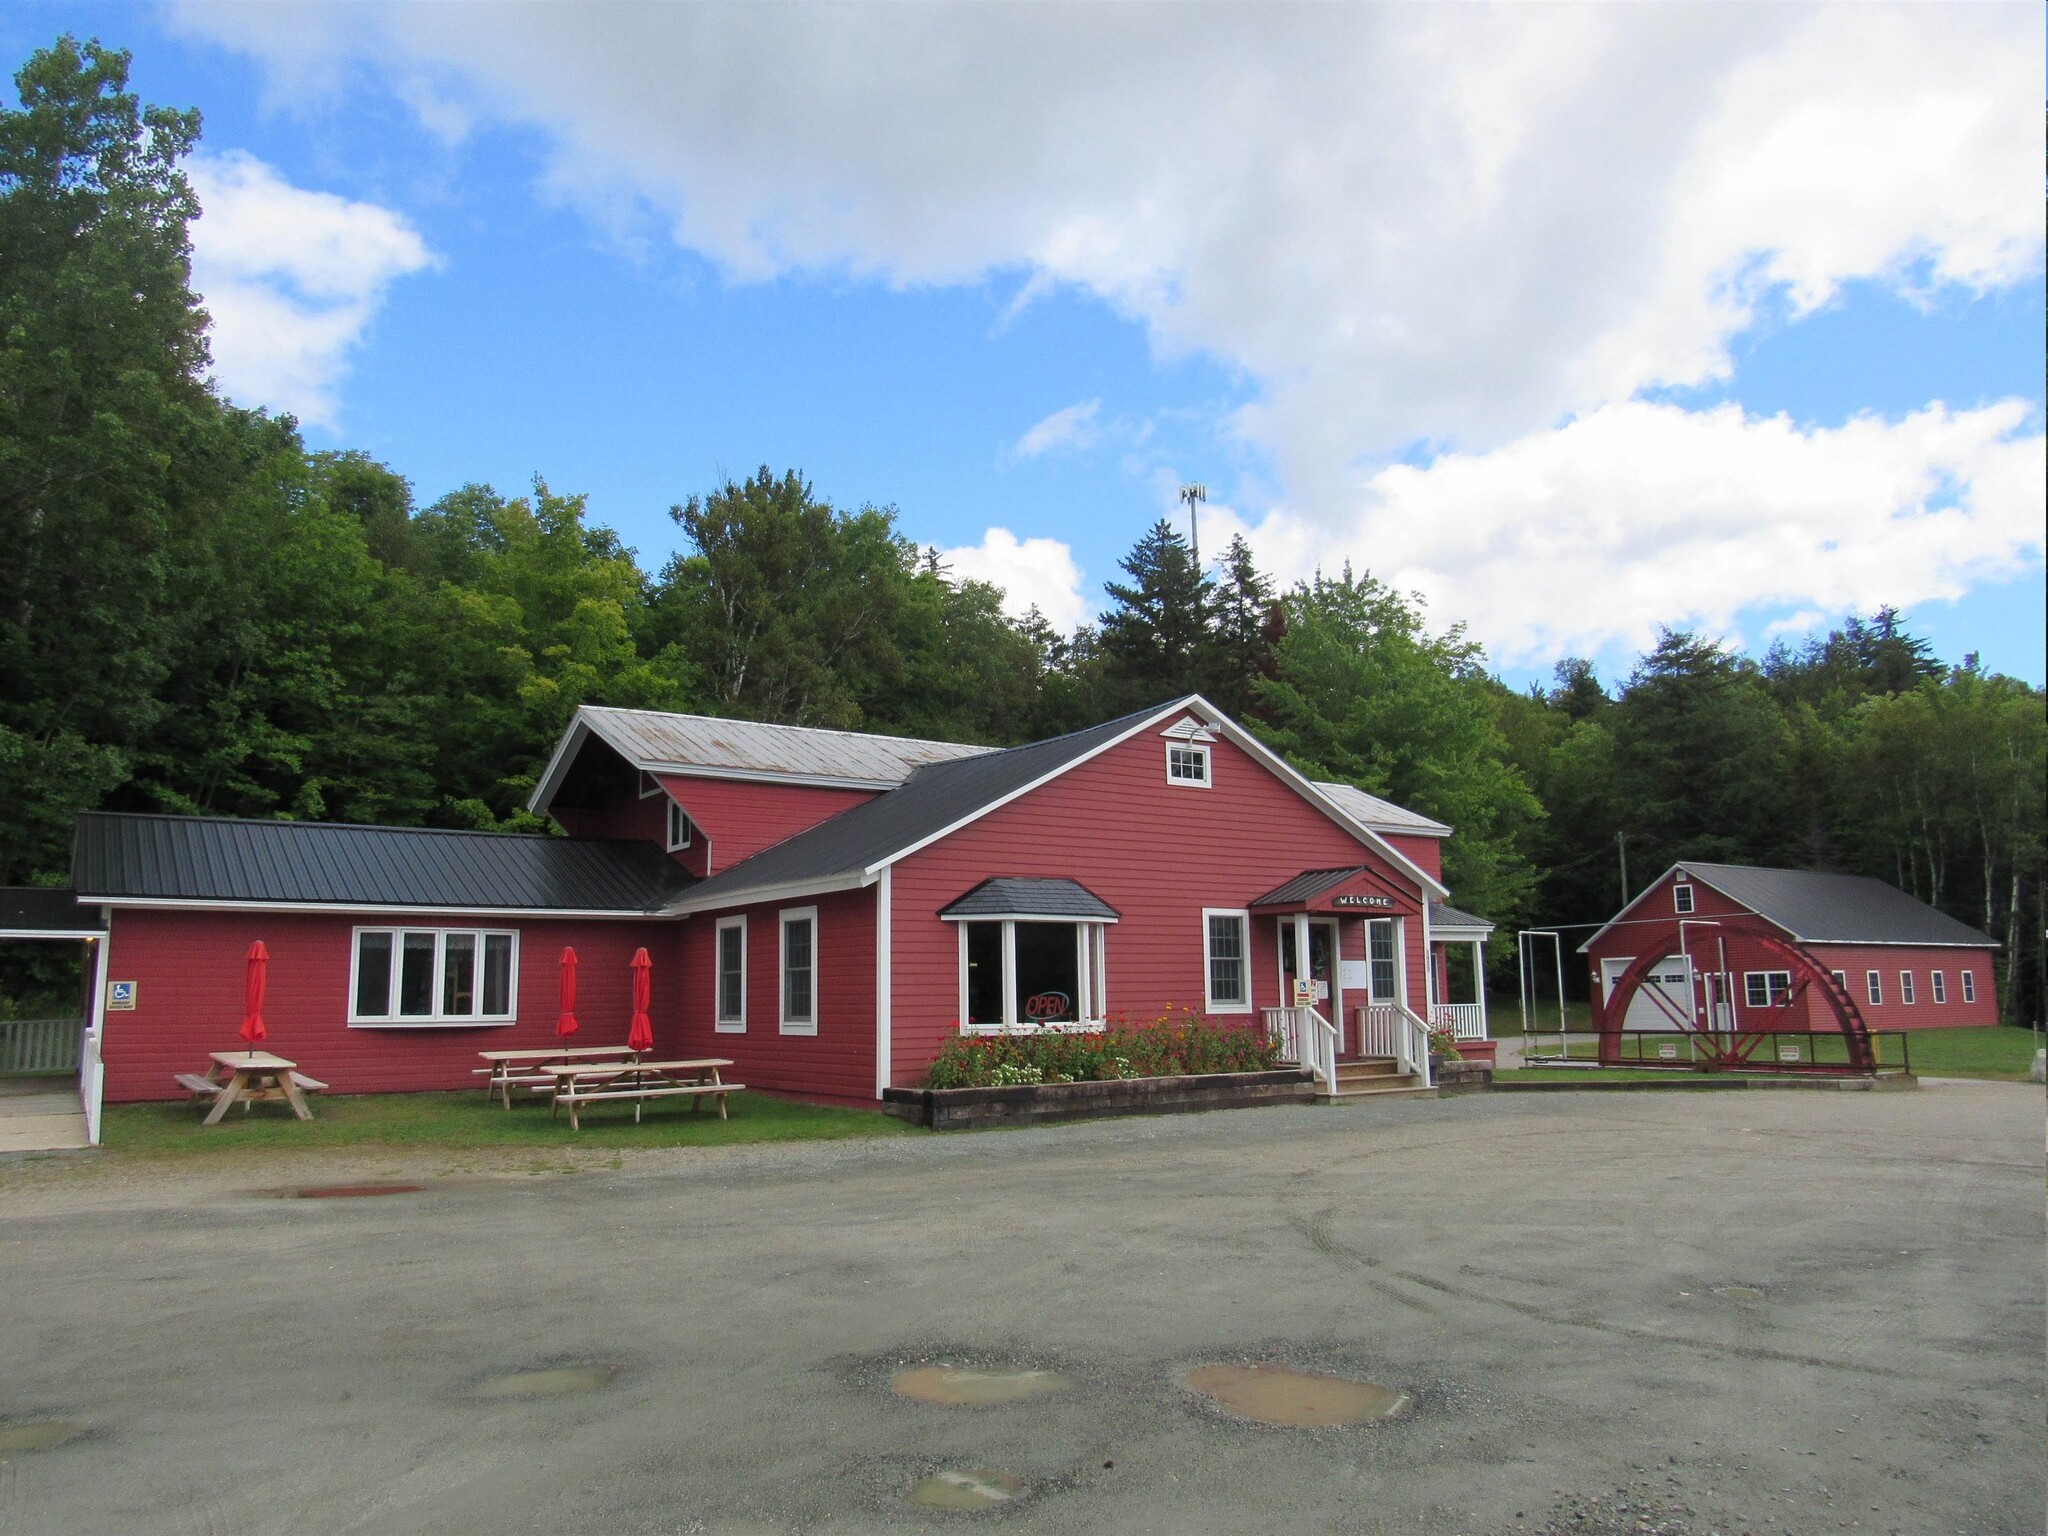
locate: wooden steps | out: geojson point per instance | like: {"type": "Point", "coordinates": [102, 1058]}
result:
{"type": "Point", "coordinates": [1374, 1077]}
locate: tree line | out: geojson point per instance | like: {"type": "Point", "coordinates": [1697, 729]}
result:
{"type": "Point", "coordinates": [198, 614]}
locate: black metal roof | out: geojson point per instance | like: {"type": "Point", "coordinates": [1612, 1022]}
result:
{"type": "Point", "coordinates": [45, 909]}
{"type": "Point", "coordinates": [1306, 886]}
{"type": "Point", "coordinates": [1824, 908]}
{"type": "Point", "coordinates": [1022, 896]}
{"type": "Point", "coordinates": [933, 799]}
{"type": "Point", "coordinates": [202, 858]}
{"type": "Point", "coordinates": [1443, 916]}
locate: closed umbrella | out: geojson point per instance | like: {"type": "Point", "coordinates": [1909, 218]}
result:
{"type": "Point", "coordinates": [642, 1036]}
{"type": "Point", "coordinates": [566, 1025]}
{"type": "Point", "coordinates": [252, 996]}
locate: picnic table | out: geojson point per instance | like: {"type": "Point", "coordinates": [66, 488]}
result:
{"type": "Point", "coordinates": [579, 1083]}
{"type": "Point", "coordinates": [524, 1069]}
{"type": "Point", "coordinates": [246, 1077]}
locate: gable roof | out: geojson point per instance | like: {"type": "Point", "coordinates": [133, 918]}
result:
{"type": "Point", "coordinates": [175, 860]}
{"type": "Point", "coordinates": [851, 848]}
{"type": "Point", "coordinates": [710, 747]}
{"type": "Point", "coordinates": [1030, 896]}
{"type": "Point", "coordinates": [1382, 815]}
{"type": "Point", "coordinates": [1821, 907]}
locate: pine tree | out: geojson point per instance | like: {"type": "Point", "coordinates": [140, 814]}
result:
{"type": "Point", "coordinates": [1240, 623]}
{"type": "Point", "coordinates": [1154, 642]}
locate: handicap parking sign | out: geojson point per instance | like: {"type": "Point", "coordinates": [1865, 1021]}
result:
{"type": "Point", "coordinates": [121, 994]}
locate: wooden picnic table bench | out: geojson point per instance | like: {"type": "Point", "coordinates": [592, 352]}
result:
{"type": "Point", "coordinates": [579, 1083]}
{"type": "Point", "coordinates": [244, 1077]}
{"type": "Point", "coordinates": [522, 1069]}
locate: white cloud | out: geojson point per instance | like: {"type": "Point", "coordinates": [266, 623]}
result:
{"type": "Point", "coordinates": [1404, 224]}
{"type": "Point", "coordinates": [1038, 573]}
{"type": "Point", "coordinates": [1072, 427]}
{"type": "Point", "coordinates": [1638, 515]}
{"type": "Point", "coordinates": [292, 278]}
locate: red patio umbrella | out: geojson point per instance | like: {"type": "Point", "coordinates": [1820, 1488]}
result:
{"type": "Point", "coordinates": [252, 996]}
{"type": "Point", "coordinates": [642, 1036]}
{"type": "Point", "coordinates": [566, 1025]}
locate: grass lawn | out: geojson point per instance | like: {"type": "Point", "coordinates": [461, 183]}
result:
{"type": "Point", "coordinates": [459, 1121]}
{"type": "Point", "coordinates": [1997, 1050]}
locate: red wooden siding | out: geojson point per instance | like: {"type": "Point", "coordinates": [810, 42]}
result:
{"type": "Point", "coordinates": [742, 817]}
{"type": "Point", "coordinates": [838, 1062]}
{"type": "Point", "coordinates": [1426, 853]}
{"type": "Point", "coordinates": [190, 969]}
{"type": "Point", "coordinates": [1157, 852]}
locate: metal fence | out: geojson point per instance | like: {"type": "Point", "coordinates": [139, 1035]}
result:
{"type": "Point", "coordinates": [1784, 1050]}
{"type": "Point", "coordinates": [40, 1045]}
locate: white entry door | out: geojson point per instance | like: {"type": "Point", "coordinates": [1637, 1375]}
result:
{"type": "Point", "coordinates": [1672, 980]}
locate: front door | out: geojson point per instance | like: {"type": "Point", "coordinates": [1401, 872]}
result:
{"type": "Point", "coordinates": [1322, 962]}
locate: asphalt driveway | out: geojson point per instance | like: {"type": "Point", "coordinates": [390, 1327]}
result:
{"type": "Point", "coordinates": [1739, 1311]}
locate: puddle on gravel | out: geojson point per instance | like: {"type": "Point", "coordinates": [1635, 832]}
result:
{"type": "Point", "coordinates": [956, 1386]}
{"type": "Point", "coordinates": [562, 1381]}
{"type": "Point", "coordinates": [1291, 1399]}
{"type": "Point", "coordinates": [357, 1191]}
{"type": "Point", "coordinates": [1739, 1292]}
{"type": "Point", "coordinates": [967, 1490]}
{"type": "Point", "coordinates": [38, 1435]}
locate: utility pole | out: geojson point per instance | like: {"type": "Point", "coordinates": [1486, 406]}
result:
{"type": "Point", "coordinates": [1194, 496]}
{"type": "Point", "coordinates": [1621, 841]}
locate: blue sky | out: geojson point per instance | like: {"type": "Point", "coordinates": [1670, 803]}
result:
{"type": "Point", "coordinates": [491, 273]}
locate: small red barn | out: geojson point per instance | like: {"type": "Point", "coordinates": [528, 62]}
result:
{"type": "Point", "coordinates": [824, 907]}
{"type": "Point", "coordinates": [1734, 948]}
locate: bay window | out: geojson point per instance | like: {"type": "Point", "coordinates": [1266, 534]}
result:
{"type": "Point", "coordinates": [1026, 973]}
{"type": "Point", "coordinates": [427, 976]}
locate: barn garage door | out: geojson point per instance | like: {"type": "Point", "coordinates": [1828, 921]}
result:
{"type": "Point", "coordinates": [1673, 979]}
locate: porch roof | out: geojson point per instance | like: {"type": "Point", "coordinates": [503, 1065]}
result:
{"type": "Point", "coordinates": [26, 911]}
{"type": "Point", "coordinates": [1448, 921]}
{"type": "Point", "coordinates": [1033, 896]}
{"type": "Point", "coordinates": [1354, 887]}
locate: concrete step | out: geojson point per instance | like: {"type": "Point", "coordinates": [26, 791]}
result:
{"type": "Point", "coordinates": [1409, 1089]}
{"type": "Point", "coordinates": [1372, 1067]}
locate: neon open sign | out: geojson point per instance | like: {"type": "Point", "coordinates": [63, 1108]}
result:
{"type": "Point", "coordinates": [1048, 1005]}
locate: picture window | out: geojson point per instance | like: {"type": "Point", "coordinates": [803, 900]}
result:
{"type": "Point", "coordinates": [426, 976]}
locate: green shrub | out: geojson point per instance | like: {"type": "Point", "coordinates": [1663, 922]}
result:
{"type": "Point", "coordinates": [1174, 1043]}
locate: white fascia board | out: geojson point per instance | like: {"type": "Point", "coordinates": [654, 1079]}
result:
{"type": "Point", "coordinates": [1043, 779]}
{"type": "Point", "coordinates": [1385, 830]}
{"type": "Point", "coordinates": [757, 776]}
{"type": "Point", "coordinates": [755, 895]}
{"type": "Point", "coordinates": [193, 904]}
{"type": "Point", "coordinates": [1459, 931]}
{"type": "Point", "coordinates": [1304, 786]}
{"type": "Point", "coordinates": [1985, 943]}
{"type": "Point", "coordinates": [565, 753]}
{"type": "Point", "coordinates": [1019, 917]}
{"type": "Point", "coordinates": [53, 933]}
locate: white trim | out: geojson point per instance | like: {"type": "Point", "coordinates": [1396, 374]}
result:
{"type": "Point", "coordinates": [1244, 961]}
{"type": "Point", "coordinates": [762, 895]}
{"type": "Point", "coordinates": [91, 1096]}
{"type": "Point", "coordinates": [1446, 932]}
{"type": "Point", "coordinates": [498, 914]}
{"type": "Point", "coordinates": [1969, 985]}
{"type": "Point", "coordinates": [53, 933]}
{"type": "Point", "coordinates": [558, 764]}
{"type": "Point", "coordinates": [885, 1046]}
{"type": "Point", "coordinates": [1937, 987]}
{"type": "Point", "coordinates": [1016, 917]}
{"type": "Point", "coordinates": [1908, 994]}
{"type": "Point", "coordinates": [1091, 986]}
{"type": "Point", "coordinates": [1200, 750]}
{"type": "Point", "coordinates": [1770, 994]}
{"type": "Point", "coordinates": [782, 921]}
{"type": "Point", "coordinates": [650, 786]}
{"type": "Point", "coordinates": [1873, 988]}
{"type": "Point", "coordinates": [720, 1024]}
{"type": "Point", "coordinates": [671, 816]}
{"type": "Point", "coordinates": [1429, 972]}
{"type": "Point", "coordinates": [437, 1019]}
{"type": "Point", "coordinates": [1188, 728]}
{"type": "Point", "coordinates": [1691, 905]}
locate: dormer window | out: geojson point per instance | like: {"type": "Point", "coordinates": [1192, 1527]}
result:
{"type": "Point", "coordinates": [678, 828]}
{"type": "Point", "coordinates": [1187, 764]}
{"type": "Point", "coordinates": [1681, 899]}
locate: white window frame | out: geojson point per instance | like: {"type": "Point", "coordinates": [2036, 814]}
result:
{"type": "Point", "coordinates": [1091, 960]}
{"type": "Point", "coordinates": [677, 815]}
{"type": "Point", "coordinates": [1749, 980]}
{"type": "Point", "coordinates": [1196, 749]}
{"type": "Point", "coordinates": [720, 1022]}
{"type": "Point", "coordinates": [783, 919]}
{"type": "Point", "coordinates": [1937, 985]}
{"type": "Point", "coordinates": [1969, 985]}
{"type": "Point", "coordinates": [1841, 979]}
{"type": "Point", "coordinates": [1210, 1002]}
{"type": "Point", "coordinates": [1873, 987]}
{"type": "Point", "coordinates": [1906, 998]}
{"type": "Point", "coordinates": [436, 1019]}
{"type": "Point", "coordinates": [1682, 901]}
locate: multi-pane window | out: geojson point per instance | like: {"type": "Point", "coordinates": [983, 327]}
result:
{"type": "Point", "coordinates": [1226, 947]}
{"type": "Point", "coordinates": [1381, 971]}
{"type": "Point", "coordinates": [1939, 983]}
{"type": "Point", "coordinates": [1905, 986]}
{"type": "Point", "coordinates": [1969, 986]}
{"type": "Point", "coordinates": [1873, 986]}
{"type": "Point", "coordinates": [1187, 763]}
{"type": "Point", "coordinates": [800, 971]}
{"type": "Point", "coordinates": [1023, 973]}
{"type": "Point", "coordinates": [732, 975]}
{"type": "Point", "coordinates": [434, 976]}
{"type": "Point", "coordinates": [1681, 899]}
{"type": "Point", "coordinates": [1766, 989]}
{"type": "Point", "coordinates": [678, 828]}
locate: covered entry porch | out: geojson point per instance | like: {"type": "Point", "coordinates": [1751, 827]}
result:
{"type": "Point", "coordinates": [50, 1074]}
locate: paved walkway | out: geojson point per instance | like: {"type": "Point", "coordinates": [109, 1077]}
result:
{"type": "Point", "coordinates": [40, 1114]}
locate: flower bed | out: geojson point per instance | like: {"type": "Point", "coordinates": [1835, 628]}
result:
{"type": "Point", "coordinates": [1178, 1044]}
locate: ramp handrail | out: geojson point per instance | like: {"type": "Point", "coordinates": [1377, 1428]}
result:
{"type": "Point", "coordinates": [1306, 1039]}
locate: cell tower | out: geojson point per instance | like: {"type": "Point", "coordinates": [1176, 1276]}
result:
{"type": "Point", "coordinates": [1194, 496]}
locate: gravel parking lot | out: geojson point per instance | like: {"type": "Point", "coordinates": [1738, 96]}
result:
{"type": "Point", "coordinates": [1645, 1312]}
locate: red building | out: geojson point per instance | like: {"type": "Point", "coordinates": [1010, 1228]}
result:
{"type": "Point", "coordinates": [1731, 948]}
{"type": "Point", "coordinates": [823, 907]}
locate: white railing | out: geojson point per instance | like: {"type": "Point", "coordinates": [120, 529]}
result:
{"type": "Point", "coordinates": [40, 1045]}
{"type": "Point", "coordinates": [91, 1081]}
{"type": "Point", "coordinates": [1307, 1039]}
{"type": "Point", "coordinates": [1415, 1046]}
{"type": "Point", "coordinates": [1394, 1032]}
{"type": "Point", "coordinates": [1468, 1019]}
